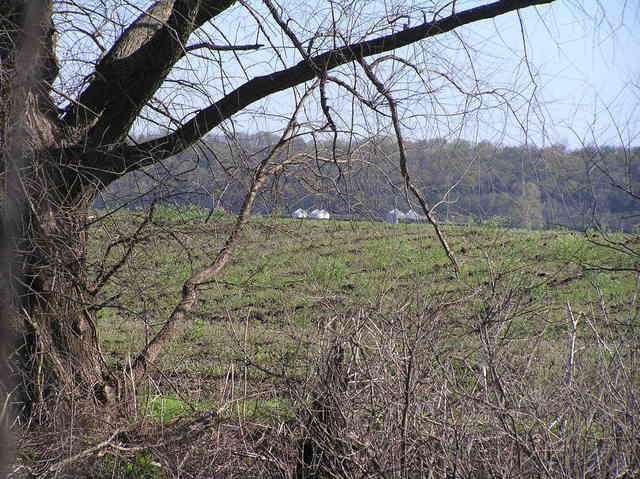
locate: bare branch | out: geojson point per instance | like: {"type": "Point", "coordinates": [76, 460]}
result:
{"type": "Point", "coordinates": [223, 48]}
{"type": "Point", "coordinates": [403, 164]}
{"type": "Point", "coordinates": [128, 158]}
{"type": "Point", "coordinates": [191, 287]}
{"type": "Point", "coordinates": [128, 76]}
{"type": "Point", "coordinates": [130, 243]}
{"type": "Point", "coordinates": [85, 453]}
{"type": "Point", "coordinates": [91, 103]}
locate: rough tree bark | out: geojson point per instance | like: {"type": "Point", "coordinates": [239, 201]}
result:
{"type": "Point", "coordinates": [57, 352]}
{"type": "Point", "coordinates": [57, 348]}
{"type": "Point", "coordinates": [73, 153]}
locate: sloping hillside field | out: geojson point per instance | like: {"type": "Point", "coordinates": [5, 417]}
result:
{"type": "Point", "coordinates": [356, 339]}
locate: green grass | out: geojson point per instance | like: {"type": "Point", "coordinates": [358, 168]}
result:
{"type": "Point", "coordinates": [285, 265]}
{"type": "Point", "coordinates": [168, 407]}
{"type": "Point", "coordinates": [262, 318]}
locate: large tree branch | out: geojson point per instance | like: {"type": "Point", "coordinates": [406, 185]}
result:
{"type": "Point", "coordinates": [130, 73]}
{"type": "Point", "coordinates": [109, 165]}
{"type": "Point", "coordinates": [191, 287]}
{"type": "Point", "coordinates": [92, 101]}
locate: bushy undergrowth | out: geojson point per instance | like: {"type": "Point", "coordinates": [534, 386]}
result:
{"type": "Point", "coordinates": [350, 350]}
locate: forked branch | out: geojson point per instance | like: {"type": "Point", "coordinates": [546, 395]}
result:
{"type": "Point", "coordinates": [403, 163]}
{"type": "Point", "coordinates": [191, 287]}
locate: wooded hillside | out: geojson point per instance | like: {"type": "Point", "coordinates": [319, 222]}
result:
{"type": "Point", "coordinates": [523, 186]}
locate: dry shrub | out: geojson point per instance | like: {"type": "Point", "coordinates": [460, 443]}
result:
{"type": "Point", "coordinates": [423, 392]}
{"type": "Point", "coordinates": [406, 395]}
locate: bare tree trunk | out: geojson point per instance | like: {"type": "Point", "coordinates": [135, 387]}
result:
{"type": "Point", "coordinates": [56, 351]}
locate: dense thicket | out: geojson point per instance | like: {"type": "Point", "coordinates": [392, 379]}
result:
{"type": "Point", "coordinates": [520, 186]}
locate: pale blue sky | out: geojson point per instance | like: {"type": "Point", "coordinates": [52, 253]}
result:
{"type": "Point", "coordinates": [588, 62]}
{"type": "Point", "coordinates": [582, 58]}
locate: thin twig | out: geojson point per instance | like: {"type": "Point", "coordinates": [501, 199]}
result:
{"type": "Point", "coordinates": [87, 452]}
{"type": "Point", "coordinates": [403, 163]}
{"type": "Point", "coordinates": [573, 323]}
{"type": "Point", "coordinates": [223, 48]}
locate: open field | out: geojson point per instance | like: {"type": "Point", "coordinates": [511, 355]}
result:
{"type": "Point", "coordinates": [291, 276]}
{"type": "Point", "coordinates": [355, 343]}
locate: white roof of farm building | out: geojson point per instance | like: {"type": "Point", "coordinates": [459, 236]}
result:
{"type": "Point", "coordinates": [394, 215]}
{"type": "Point", "coordinates": [320, 214]}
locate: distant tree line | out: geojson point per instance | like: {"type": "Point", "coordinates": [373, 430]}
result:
{"type": "Point", "coordinates": [517, 186]}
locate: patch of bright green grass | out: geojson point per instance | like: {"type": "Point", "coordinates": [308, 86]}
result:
{"type": "Point", "coordinates": [167, 407]}
{"type": "Point", "coordinates": [269, 410]}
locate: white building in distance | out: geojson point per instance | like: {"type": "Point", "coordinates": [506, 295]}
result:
{"type": "Point", "coordinates": [394, 216]}
{"type": "Point", "coordinates": [300, 213]}
{"type": "Point", "coordinates": [320, 214]}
